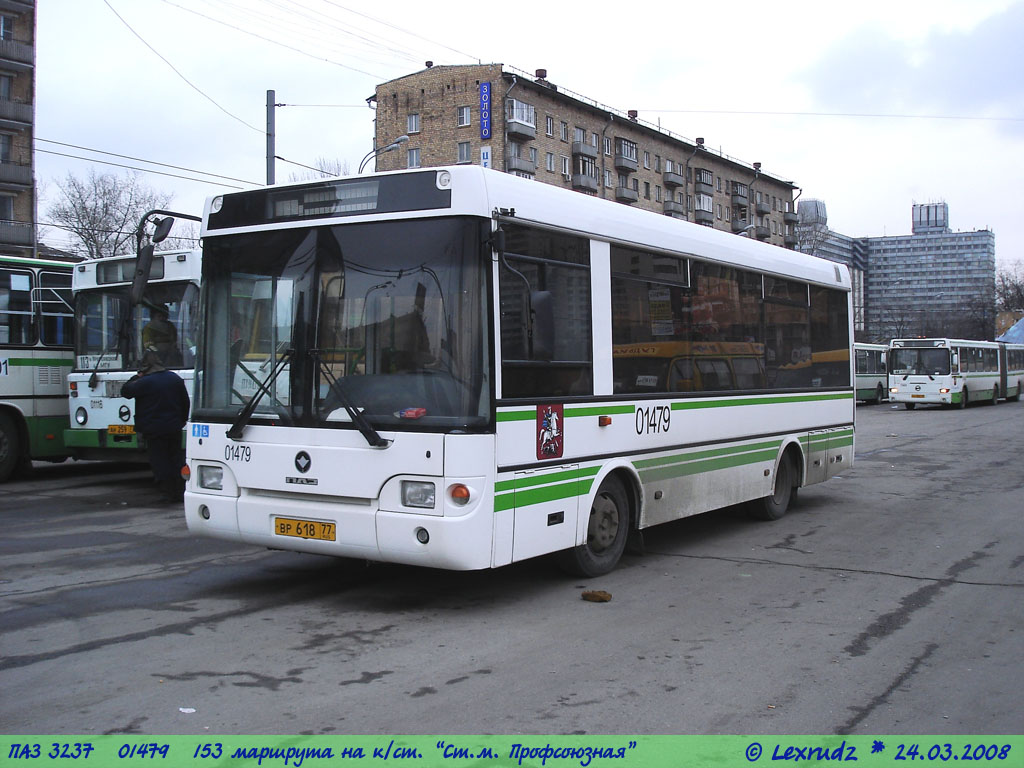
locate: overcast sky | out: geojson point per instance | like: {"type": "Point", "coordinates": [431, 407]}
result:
{"type": "Point", "coordinates": [870, 106]}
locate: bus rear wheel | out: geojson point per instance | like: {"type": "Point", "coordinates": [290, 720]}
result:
{"type": "Point", "coordinates": [995, 396]}
{"type": "Point", "coordinates": [776, 504]}
{"type": "Point", "coordinates": [879, 394]}
{"type": "Point", "coordinates": [909, 406]}
{"type": "Point", "coordinates": [963, 398]}
{"type": "Point", "coordinates": [10, 447]}
{"type": "Point", "coordinates": [607, 530]}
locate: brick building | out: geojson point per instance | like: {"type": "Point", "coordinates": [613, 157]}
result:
{"type": "Point", "coordinates": [17, 120]}
{"type": "Point", "coordinates": [492, 115]}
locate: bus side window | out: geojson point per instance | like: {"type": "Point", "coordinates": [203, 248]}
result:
{"type": "Point", "coordinates": [16, 326]}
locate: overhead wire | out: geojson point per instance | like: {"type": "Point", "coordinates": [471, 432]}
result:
{"type": "Point", "coordinates": [192, 85]}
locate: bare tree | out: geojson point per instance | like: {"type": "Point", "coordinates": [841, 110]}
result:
{"type": "Point", "coordinates": [323, 169]}
{"type": "Point", "coordinates": [102, 211]}
{"type": "Point", "coordinates": [1010, 286]}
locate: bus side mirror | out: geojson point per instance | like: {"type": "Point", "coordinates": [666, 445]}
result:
{"type": "Point", "coordinates": [163, 229]}
{"type": "Point", "coordinates": [143, 264]}
{"type": "Point", "coordinates": [956, 360]}
{"type": "Point", "coordinates": [542, 307]}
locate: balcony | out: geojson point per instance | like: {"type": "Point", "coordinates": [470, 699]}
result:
{"type": "Point", "coordinates": [14, 114]}
{"type": "Point", "coordinates": [673, 179]}
{"type": "Point", "coordinates": [704, 217]}
{"type": "Point", "coordinates": [674, 209]}
{"type": "Point", "coordinates": [790, 241]}
{"type": "Point", "coordinates": [584, 182]}
{"type": "Point", "coordinates": [628, 164]}
{"type": "Point", "coordinates": [739, 199]}
{"type": "Point", "coordinates": [626, 195]}
{"type": "Point", "coordinates": [16, 233]}
{"type": "Point", "coordinates": [14, 52]}
{"type": "Point", "coordinates": [762, 209]}
{"type": "Point", "coordinates": [762, 233]}
{"type": "Point", "coordinates": [789, 217]}
{"type": "Point", "coordinates": [738, 225]}
{"type": "Point", "coordinates": [582, 149]}
{"type": "Point", "coordinates": [17, 6]}
{"type": "Point", "coordinates": [702, 188]}
{"type": "Point", "coordinates": [520, 130]}
{"type": "Point", "coordinates": [521, 164]}
{"type": "Point", "coordinates": [12, 173]}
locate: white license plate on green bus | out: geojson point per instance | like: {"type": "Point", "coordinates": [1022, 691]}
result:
{"type": "Point", "coordinates": [305, 529]}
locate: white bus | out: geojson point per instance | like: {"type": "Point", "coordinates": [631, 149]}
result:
{"type": "Point", "coordinates": [872, 378]}
{"type": "Point", "coordinates": [111, 337]}
{"type": "Point", "coordinates": [443, 378]}
{"type": "Point", "coordinates": [954, 372]}
{"type": "Point", "coordinates": [35, 357]}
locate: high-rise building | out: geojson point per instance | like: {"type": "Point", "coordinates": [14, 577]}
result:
{"type": "Point", "coordinates": [17, 121]}
{"type": "Point", "coordinates": [932, 282]}
{"type": "Point", "coordinates": [496, 116]}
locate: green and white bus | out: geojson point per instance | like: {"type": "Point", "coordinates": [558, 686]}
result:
{"type": "Point", "coordinates": [35, 357]}
{"type": "Point", "coordinates": [954, 372]}
{"type": "Point", "coordinates": [871, 376]}
{"type": "Point", "coordinates": [451, 371]}
{"type": "Point", "coordinates": [111, 335]}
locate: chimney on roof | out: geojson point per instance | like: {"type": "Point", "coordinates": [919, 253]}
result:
{"type": "Point", "coordinates": [632, 115]}
{"type": "Point", "coordinates": [430, 64]}
{"type": "Point", "coordinates": [541, 74]}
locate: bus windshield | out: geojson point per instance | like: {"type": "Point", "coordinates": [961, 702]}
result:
{"type": "Point", "coordinates": [919, 361]}
{"type": "Point", "coordinates": [385, 320]}
{"type": "Point", "coordinates": [165, 322]}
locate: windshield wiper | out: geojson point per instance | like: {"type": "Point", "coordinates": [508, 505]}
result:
{"type": "Point", "coordinates": [263, 388]}
{"type": "Point", "coordinates": [362, 423]}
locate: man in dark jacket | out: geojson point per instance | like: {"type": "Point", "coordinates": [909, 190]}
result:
{"type": "Point", "coordinates": [161, 410]}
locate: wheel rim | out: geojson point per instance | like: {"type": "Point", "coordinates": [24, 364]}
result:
{"type": "Point", "coordinates": [604, 523]}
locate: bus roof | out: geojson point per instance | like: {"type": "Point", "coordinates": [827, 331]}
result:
{"type": "Point", "coordinates": [478, 191]}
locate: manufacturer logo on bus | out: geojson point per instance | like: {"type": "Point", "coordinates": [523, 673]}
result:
{"type": "Point", "coordinates": [549, 431]}
{"type": "Point", "coordinates": [303, 462]}
{"type": "Point", "coordinates": [124, 413]}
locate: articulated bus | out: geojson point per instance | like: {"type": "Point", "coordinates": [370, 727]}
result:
{"type": "Point", "coordinates": [35, 357]}
{"type": "Point", "coordinates": [111, 336]}
{"type": "Point", "coordinates": [457, 368]}
{"type": "Point", "coordinates": [872, 378]}
{"type": "Point", "coordinates": [954, 372]}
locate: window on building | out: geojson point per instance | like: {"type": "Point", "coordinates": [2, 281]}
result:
{"type": "Point", "coordinates": [657, 163]}
{"type": "Point", "coordinates": [6, 207]}
{"type": "Point", "coordinates": [657, 193]}
{"type": "Point", "coordinates": [626, 149]}
{"type": "Point", "coordinates": [565, 131]}
{"type": "Point", "coordinates": [413, 123]}
{"type": "Point", "coordinates": [464, 152]}
{"type": "Point", "coordinates": [608, 146]}
{"type": "Point", "coordinates": [566, 168]}
{"type": "Point", "coordinates": [6, 27]}
{"type": "Point", "coordinates": [609, 180]}
{"type": "Point", "coordinates": [521, 112]}
{"type": "Point", "coordinates": [580, 135]}
{"type": "Point", "coordinates": [549, 161]}
{"type": "Point", "coordinates": [586, 166]}
{"type": "Point", "coordinates": [462, 116]}
{"type": "Point", "coordinates": [647, 159]}
{"type": "Point", "coordinates": [6, 144]}
{"type": "Point", "coordinates": [594, 139]}
{"type": "Point", "coordinates": [647, 190]}
{"type": "Point", "coordinates": [549, 125]}
{"type": "Point", "coordinates": [413, 158]}
{"type": "Point", "coordinates": [6, 81]}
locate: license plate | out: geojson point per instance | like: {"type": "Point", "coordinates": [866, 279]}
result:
{"type": "Point", "coordinates": [917, 395]}
{"type": "Point", "coordinates": [305, 529]}
{"type": "Point", "coordinates": [121, 429]}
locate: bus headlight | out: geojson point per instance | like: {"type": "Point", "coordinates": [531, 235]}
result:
{"type": "Point", "coordinates": [894, 390]}
{"type": "Point", "coordinates": [216, 204]}
{"type": "Point", "coordinates": [416, 493]}
{"type": "Point", "coordinates": [211, 478]}
{"type": "Point", "coordinates": [81, 416]}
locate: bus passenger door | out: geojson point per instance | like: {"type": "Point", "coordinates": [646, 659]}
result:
{"type": "Point", "coordinates": [546, 503]}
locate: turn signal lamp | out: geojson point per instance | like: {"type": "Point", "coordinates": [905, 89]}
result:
{"type": "Point", "coordinates": [459, 493]}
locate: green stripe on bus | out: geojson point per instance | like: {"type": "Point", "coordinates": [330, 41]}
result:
{"type": "Point", "coordinates": [517, 415]}
{"type": "Point", "coordinates": [754, 400]}
{"type": "Point", "coordinates": [524, 498]}
{"type": "Point", "coordinates": [525, 481]}
{"type": "Point", "coordinates": [36, 361]}
{"type": "Point", "coordinates": [598, 410]}
{"type": "Point", "coordinates": [707, 454]}
{"type": "Point", "coordinates": [707, 465]}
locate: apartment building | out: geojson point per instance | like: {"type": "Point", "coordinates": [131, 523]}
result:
{"type": "Point", "coordinates": [498, 117]}
{"type": "Point", "coordinates": [17, 120]}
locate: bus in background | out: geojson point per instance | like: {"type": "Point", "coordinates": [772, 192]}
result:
{"type": "Point", "coordinates": [439, 382]}
{"type": "Point", "coordinates": [111, 335]}
{"type": "Point", "coordinates": [954, 372]}
{"type": "Point", "coordinates": [35, 357]}
{"type": "Point", "coordinates": [870, 372]}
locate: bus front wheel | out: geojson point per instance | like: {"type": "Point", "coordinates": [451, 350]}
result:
{"type": "Point", "coordinates": [775, 505]}
{"type": "Point", "coordinates": [607, 530]}
{"type": "Point", "coordinates": [10, 447]}
{"type": "Point", "coordinates": [909, 406]}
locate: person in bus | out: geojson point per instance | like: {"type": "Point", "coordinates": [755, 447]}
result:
{"type": "Point", "coordinates": [161, 410]}
{"type": "Point", "coordinates": [160, 336]}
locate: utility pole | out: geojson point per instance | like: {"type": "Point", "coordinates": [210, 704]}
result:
{"type": "Point", "coordinates": [270, 137]}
